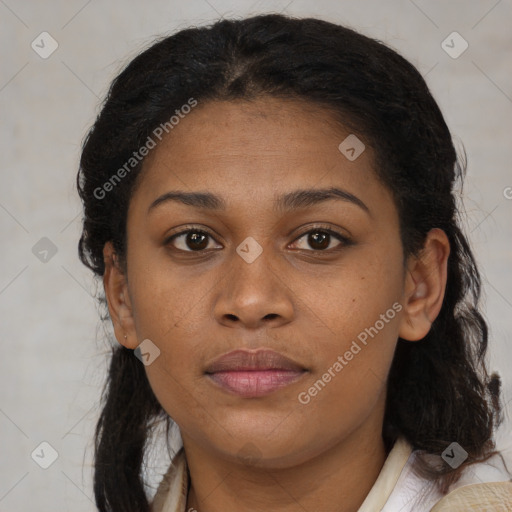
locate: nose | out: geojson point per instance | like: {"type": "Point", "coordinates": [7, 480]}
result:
{"type": "Point", "coordinates": [254, 295]}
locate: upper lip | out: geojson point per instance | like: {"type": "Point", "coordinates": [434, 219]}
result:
{"type": "Point", "coordinates": [251, 360]}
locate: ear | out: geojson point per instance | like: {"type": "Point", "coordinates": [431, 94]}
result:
{"type": "Point", "coordinates": [425, 284]}
{"type": "Point", "coordinates": [116, 292]}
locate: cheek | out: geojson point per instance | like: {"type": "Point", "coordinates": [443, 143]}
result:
{"type": "Point", "coordinates": [348, 381]}
{"type": "Point", "coordinates": [170, 307]}
{"type": "Point", "coordinates": [353, 329]}
{"type": "Point", "coordinates": [363, 290]}
{"type": "Point", "coordinates": [174, 386]}
{"type": "Point", "coordinates": [166, 298]}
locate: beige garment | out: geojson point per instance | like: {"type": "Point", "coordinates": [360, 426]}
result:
{"type": "Point", "coordinates": [171, 495]}
{"type": "Point", "coordinates": [487, 497]}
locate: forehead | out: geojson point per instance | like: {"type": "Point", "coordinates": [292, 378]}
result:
{"type": "Point", "coordinates": [259, 146]}
{"type": "Point", "coordinates": [263, 126]}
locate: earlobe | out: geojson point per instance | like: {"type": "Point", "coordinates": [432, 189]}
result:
{"type": "Point", "coordinates": [425, 285]}
{"type": "Point", "coordinates": [116, 293]}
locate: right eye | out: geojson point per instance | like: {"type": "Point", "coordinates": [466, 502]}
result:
{"type": "Point", "coordinates": [190, 240]}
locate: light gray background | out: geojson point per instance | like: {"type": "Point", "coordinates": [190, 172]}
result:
{"type": "Point", "coordinates": [53, 351]}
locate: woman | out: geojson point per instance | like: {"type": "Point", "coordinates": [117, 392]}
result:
{"type": "Point", "coordinates": [270, 205]}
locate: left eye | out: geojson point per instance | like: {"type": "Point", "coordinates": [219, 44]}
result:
{"type": "Point", "coordinates": [320, 239]}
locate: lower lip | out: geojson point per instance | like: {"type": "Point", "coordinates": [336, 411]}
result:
{"type": "Point", "coordinates": [255, 383]}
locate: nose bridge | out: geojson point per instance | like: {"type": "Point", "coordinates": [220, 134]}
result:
{"type": "Point", "coordinates": [251, 272]}
{"type": "Point", "coordinates": [253, 291]}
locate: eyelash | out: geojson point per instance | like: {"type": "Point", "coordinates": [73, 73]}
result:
{"type": "Point", "coordinates": [316, 229]}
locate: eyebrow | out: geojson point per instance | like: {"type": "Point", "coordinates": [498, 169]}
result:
{"type": "Point", "coordinates": [301, 198]}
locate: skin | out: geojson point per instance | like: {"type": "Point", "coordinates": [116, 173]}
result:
{"type": "Point", "coordinates": [304, 302]}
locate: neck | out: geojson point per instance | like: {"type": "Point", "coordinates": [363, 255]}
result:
{"type": "Point", "coordinates": [337, 480]}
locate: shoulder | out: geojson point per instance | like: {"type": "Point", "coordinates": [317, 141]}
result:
{"type": "Point", "coordinates": [483, 486]}
{"type": "Point", "coordinates": [490, 496]}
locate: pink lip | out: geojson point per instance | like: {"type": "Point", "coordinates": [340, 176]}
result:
{"type": "Point", "coordinates": [253, 373]}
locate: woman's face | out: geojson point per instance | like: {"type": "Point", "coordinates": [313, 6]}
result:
{"type": "Point", "coordinates": [266, 275]}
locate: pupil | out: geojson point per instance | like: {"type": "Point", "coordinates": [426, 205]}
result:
{"type": "Point", "coordinates": [196, 240]}
{"type": "Point", "coordinates": [320, 239]}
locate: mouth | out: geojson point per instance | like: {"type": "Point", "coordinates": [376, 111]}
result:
{"type": "Point", "coordinates": [253, 373]}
